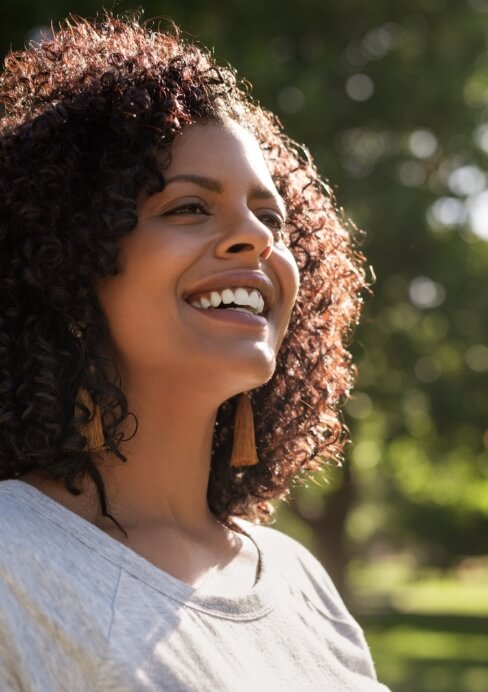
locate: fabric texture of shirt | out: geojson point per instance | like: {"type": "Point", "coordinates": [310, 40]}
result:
{"type": "Point", "coordinates": [81, 612]}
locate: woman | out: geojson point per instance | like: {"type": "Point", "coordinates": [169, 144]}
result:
{"type": "Point", "coordinates": [155, 226]}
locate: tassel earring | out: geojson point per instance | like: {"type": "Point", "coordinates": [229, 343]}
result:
{"type": "Point", "coordinates": [244, 448]}
{"type": "Point", "coordinates": [93, 430]}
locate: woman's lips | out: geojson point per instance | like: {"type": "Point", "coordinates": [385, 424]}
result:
{"type": "Point", "coordinates": [231, 316]}
{"type": "Point", "coordinates": [248, 279]}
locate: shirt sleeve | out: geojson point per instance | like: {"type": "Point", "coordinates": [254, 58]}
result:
{"type": "Point", "coordinates": [309, 582]}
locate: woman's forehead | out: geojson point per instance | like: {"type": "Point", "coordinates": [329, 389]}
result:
{"type": "Point", "coordinates": [222, 148]}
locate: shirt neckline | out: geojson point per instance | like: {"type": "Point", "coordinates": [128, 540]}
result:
{"type": "Point", "coordinates": [256, 602]}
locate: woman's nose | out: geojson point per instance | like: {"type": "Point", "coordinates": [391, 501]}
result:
{"type": "Point", "coordinates": [245, 235]}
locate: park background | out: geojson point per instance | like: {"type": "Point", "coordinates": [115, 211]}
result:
{"type": "Point", "coordinates": [391, 98]}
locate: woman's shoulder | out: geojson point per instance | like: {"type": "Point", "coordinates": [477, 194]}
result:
{"type": "Point", "coordinates": [309, 587]}
{"type": "Point", "coordinates": [283, 547]}
{"type": "Point", "coordinates": [24, 521]}
{"type": "Point", "coordinates": [47, 573]}
{"type": "Point", "coordinates": [40, 544]}
{"type": "Point", "coordinates": [54, 607]}
{"type": "Point", "coordinates": [20, 524]}
{"type": "Point", "coordinates": [298, 568]}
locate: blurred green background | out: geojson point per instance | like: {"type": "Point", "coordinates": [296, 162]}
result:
{"type": "Point", "coordinates": [392, 100]}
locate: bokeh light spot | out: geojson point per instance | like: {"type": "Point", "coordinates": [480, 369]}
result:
{"type": "Point", "coordinates": [445, 213]}
{"type": "Point", "coordinates": [359, 406]}
{"type": "Point", "coordinates": [411, 173]}
{"type": "Point", "coordinates": [480, 137]}
{"type": "Point", "coordinates": [478, 214]}
{"type": "Point", "coordinates": [366, 454]}
{"type": "Point", "coordinates": [378, 41]}
{"type": "Point", "coordinates": [359, 87]}
{"type": "Point", "coordinates": [477, 358]}
{"type": "Point", "coordinates": [479, 5]}
{"type": "Point", "coordinates": [281, 49]}
{"type": "Point", "coordinates": [427, 369]}
{"type": "Point", "coordinates": [422, 143]}
{"type": "Point", "coordinates": [425, 293]}
{"type": "Point", "coordinates": [467, 180]}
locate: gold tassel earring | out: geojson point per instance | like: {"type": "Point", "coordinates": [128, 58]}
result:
{"type": "Point", "coordinates": [244, 447]}
{"type": "Point", "coordinates": [93, 430]}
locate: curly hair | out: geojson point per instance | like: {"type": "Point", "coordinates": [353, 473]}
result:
{"type": "Point", "coordinates": [89, 117]}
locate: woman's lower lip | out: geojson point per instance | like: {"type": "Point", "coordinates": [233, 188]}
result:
{"type": "Point", "coordinates": [231, 316]}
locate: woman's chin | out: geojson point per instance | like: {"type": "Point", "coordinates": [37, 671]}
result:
{"type": "Point", "coordinates": [256, 377]}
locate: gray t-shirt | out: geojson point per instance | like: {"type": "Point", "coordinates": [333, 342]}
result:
{"type": "Point", "coordinates": [80, 612]}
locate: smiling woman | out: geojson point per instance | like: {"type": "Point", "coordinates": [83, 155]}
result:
{"type": "Point", "coordinates": [170, 262]}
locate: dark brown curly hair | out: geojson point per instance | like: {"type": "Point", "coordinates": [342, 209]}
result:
{"type": "Point", "coordinates": [89, 115]}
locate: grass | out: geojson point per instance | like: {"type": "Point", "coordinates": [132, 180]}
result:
{"type": "Point", "coordinates": [427, 632]}
{"type": "Point", "coordinates": [429, 653]}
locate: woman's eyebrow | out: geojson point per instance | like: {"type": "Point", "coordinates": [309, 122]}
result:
{"type": "Point", "coordinates": [201, 180]}
{"type": "Point", "coordinates": [256, 192]}
{"type": "Point", "coordinates": [261, 192]}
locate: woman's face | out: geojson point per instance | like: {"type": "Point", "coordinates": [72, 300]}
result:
{"type": "Point", "coordinates": [212, 230]}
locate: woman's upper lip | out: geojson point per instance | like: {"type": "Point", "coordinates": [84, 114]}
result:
{"type": "Point", "coordinates": [238, 277]}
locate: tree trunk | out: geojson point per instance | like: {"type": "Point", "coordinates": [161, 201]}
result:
{"type": "Point", "coordinates": [330, 532]}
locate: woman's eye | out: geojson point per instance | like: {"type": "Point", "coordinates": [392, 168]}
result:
{"type": "Point", "coordinates": [187, 208]}
{"type": "Point", "coordinates": [275, 223]}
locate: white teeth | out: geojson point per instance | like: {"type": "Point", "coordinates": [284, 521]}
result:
{"type": "Point", "coordinates": [241, 297]}
{"type": "Point", "coordinates": [245, 297]}
{"type": "Point", "coordinates": [227, 296]}
{"type": "Point", "coordinates": [249, 312]}
{"type": "Point", "coordinates": [215, 299]}
{"type": "Point", "coordinates": [254, 299]}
